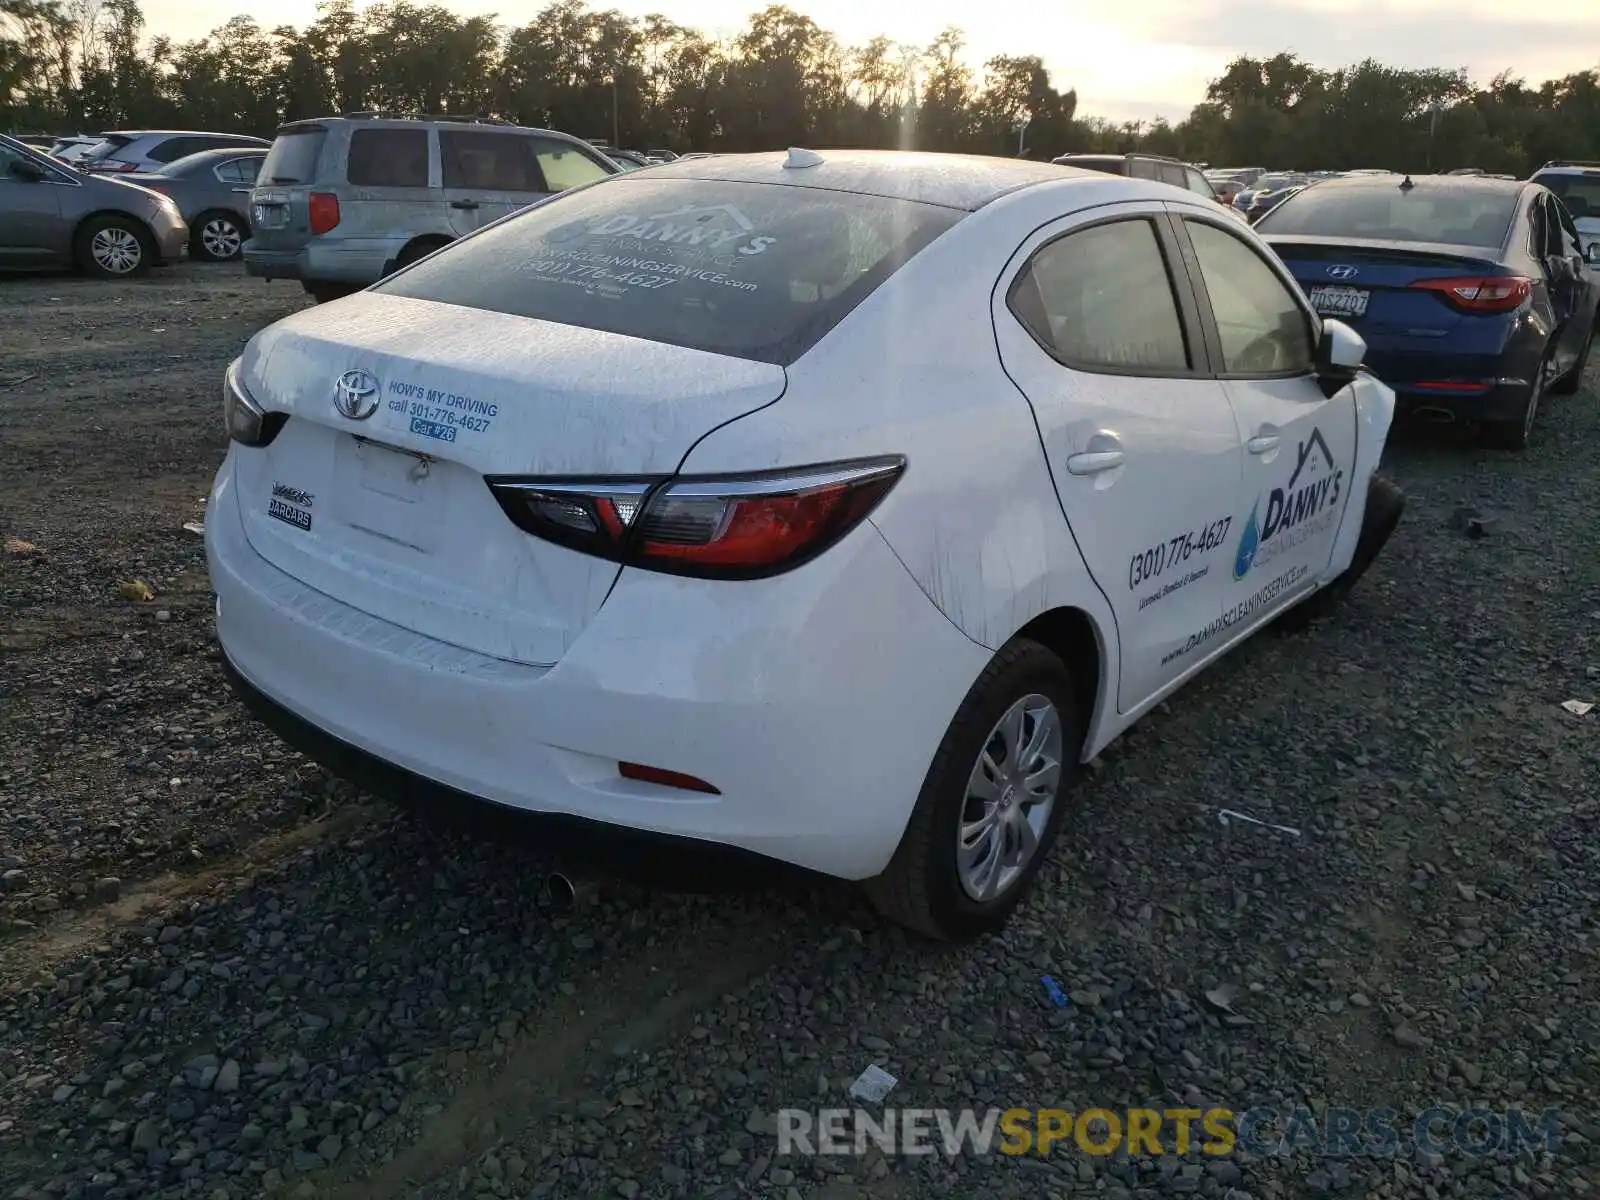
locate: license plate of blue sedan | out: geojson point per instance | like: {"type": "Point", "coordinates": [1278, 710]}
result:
{"type": "Point", "coordinates": [1333, 301]}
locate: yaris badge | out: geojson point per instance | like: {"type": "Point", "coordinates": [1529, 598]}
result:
{"type": "Point", "coordinates": [355, 395]}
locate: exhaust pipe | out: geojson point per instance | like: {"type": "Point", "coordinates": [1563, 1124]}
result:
{"type": "Point", "coordinates": [1439, 416]}
{"type": "Point", "coordinates": [564, 894]}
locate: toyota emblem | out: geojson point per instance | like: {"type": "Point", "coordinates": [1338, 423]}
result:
{"type": "Point", "coordinates": [355, 394]}
{"type": "Point", "coordinates": [1342, 271]}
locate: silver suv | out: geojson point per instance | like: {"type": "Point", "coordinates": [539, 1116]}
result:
{"type": "Point", "coordinates": [343, 201]}
{"type": "Point", "coordinates": [1578, 186]}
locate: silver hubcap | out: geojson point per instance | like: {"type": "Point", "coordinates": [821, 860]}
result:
{"type": "Point", "coordinates": [1010, 795]}
{"type": "Point", "coordinates": [220, 238]}
{"type": "Point", "coordinates": [116, 250]}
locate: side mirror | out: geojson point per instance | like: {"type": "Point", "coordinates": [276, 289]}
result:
{"type": "Point", "coordinates": [28, 172]}
{"type": "Point", "coordinates": [1340, 353]}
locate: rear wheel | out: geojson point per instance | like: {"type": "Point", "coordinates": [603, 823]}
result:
{"type": "Point", "coordinates": [992, 802]}
{"type": "Point", "coordinates": [1570, 382]}
{"type": "Point", "coordinates": [323, 292]}
{"type": "Point", "coordinates": [1517, 432]}
{"type": "Point", "coordinates": [216, 237]}
{"type": "Point", "coordinates": [420, 248]}
{"type": "Point", "coordinates": [113, 247]}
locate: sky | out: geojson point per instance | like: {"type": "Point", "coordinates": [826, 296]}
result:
{"type": "Point", "coordinates": [1128, 59]}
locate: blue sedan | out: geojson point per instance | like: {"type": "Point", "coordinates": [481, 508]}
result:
{"type": "Point", "coordinates": [1473, 294]}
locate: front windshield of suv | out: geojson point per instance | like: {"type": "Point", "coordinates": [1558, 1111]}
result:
{"type": "Point", "coordinates": [1580, 193]}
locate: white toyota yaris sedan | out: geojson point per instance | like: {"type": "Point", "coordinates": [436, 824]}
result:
{"type": "Point", "coordinates": [833, 506]}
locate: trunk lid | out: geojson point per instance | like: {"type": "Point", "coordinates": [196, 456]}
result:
{"type": "Point", "coordinates": [1370, 284]}
{"type": "Point", "coordinates": [390, 514]}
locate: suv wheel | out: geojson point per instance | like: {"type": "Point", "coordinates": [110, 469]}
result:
{"type": "Point", "coordinates": [113, 247]}
{"type": "Point", "coordinates": [992, 803]}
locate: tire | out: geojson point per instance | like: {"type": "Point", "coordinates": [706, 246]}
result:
{"type": "Point", "coordinates": [924, 887]}
{"type": "Point", "coordinates": [1569, 382]}
{"type": "Point", "coordinates": [1517, 432]}
{"type": "Point", "coordinates": [1385, 504]}
{"type": "Point", "coordinates": [323, 292]}
{"type": "Point", "coordinates": [217, 237]}
{"type": "Point", "coordinates": [418, 249]}
{"type": "Point", "coordinates": [113, 247]}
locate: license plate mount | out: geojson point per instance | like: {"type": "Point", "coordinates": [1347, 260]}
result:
{"type": "Point", "coordinates": [1334, 300]}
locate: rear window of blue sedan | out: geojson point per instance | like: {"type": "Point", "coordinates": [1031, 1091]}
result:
{"type": "Point", "coordinates": [756, 271]}
{"type": "Point", "coordinates": [1464, 215]}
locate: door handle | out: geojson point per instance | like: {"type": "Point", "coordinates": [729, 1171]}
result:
{"type": "Point", "coordinates": [463, 204]}
{"type": "Point", "coordinates": [1094, 461]}
{"type": "Point", "coordinates": [1261, 443]}
{"type": "Point", "coordinates": [246, 191]}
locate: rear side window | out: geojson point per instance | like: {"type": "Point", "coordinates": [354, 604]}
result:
{"type": "Point", "coordinates": [1102, 298]}
{"type": "Point", "coordinates": [565, 166]}
{"type": "Point", "coordinates": [1172, 173]}
{"type": "Point", "coordinates": [388, 158]}
{"type": "Point", "coordinates": [750, 270]}
{"type": "Point", "coordinates": [237, 170]}
{"type": "Point", "coordinates": [1143, 168]}
{"type": "Point", "coordinates": [493, 162]}
{"type": "Point", "coordinates": [293, 157]}
{"type": "Point", "coordinates": [175, 148]}
{"type": "Point", "coordinates": [1470, 214]}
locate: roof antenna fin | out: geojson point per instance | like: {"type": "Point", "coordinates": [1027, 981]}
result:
{"type": "Point", "coordinates": [1405, 184]}
{"type": "Point", "coordinates": [801, 158]}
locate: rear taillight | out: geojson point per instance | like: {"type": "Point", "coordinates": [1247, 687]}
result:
{"type": "Point", "coordinates": [323, 208]}
{"type": "Point", "coordinates": [717, 527]}
{"type": "Point", "coordinates": [247, 422]}
{"type": "Point", "coordinates": [1480, 293]}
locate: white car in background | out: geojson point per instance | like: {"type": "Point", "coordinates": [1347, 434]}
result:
{"type": "Point", "coordinates": [833, 506]}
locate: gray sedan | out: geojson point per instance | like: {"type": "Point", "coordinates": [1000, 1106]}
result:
{"type": "Point", "coordinates": [52, 215]}
{"type": "Point", "coordinates": [212, 190]}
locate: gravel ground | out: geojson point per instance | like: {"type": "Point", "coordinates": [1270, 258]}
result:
{"type": "Point", "coordinates": [224, 975]}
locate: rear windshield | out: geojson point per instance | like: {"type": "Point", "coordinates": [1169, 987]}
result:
{"type": "Point", "coordinates": [1112, 164]}
{"type": "Point", "coordinates": [1468, 215]}
{"type": "Point", "coordinates": [293, 157]}
{"type": "Point", "coordinates": [1580, 193]}
{"type": "Point", "coordinates": [751, 270]}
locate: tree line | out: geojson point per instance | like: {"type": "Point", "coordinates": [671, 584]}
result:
{"type": "Point", "coordinates": [71, 66]}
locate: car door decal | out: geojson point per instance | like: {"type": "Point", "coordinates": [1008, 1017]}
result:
{"type": "Point", "coordinates": [1304, 507]}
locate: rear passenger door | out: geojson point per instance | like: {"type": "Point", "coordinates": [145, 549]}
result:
{"type": "Point", "coordinates": [1298, 444]}
{"type": "Point", "coordinates": [1097, 326]}
{"type": "Point", "coordinates": [391, 186]}
{"type": "Point", "coordinates": [486, 174]}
